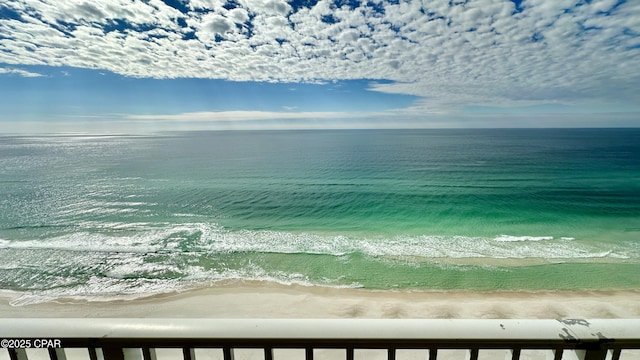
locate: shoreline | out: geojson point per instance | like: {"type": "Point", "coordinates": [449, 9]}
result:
{"type": "Point", "coordinates": [249, 299]}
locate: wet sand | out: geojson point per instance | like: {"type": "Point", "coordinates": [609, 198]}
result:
{"type": "Point", "coordinates": [268, 300]}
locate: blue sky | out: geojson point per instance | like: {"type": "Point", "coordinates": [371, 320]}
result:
{"type": "Point", "coordinates": [121, 65]}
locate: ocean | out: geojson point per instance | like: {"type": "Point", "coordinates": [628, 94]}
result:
{"type": "Point", "coordinates": [405, 210]}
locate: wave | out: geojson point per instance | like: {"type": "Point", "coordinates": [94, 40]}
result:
{"type": "Point", "coordinates": [107, 288]}
{"type": "Point", "coordinates": [212, 238]}
{"type": "Point", "coordinates": [107, 260]}
{"type": "Point", "coordinates": [509, 238]}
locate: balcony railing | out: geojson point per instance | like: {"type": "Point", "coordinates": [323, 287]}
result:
{"type": "Point", "coordinates": [228, 339]}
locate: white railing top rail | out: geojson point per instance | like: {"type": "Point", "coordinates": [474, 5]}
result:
{"type": "Point", "coordinates": [450, 329]}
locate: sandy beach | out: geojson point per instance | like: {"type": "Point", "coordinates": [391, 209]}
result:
{"type": "Point", "coordinates": [268, 300]}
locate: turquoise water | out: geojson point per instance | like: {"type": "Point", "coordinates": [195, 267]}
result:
{"type": "Point", "coordinates": [393, 209]}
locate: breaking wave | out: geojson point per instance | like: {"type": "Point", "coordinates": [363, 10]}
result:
{"type": "Point", "coordinates": [211, 238]}
{"type": "Point", "coordinates": [114, 260]}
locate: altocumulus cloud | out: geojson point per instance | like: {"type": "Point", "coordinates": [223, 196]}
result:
{"type": "Point", "coordinates": [451, 53]}
{"type": "Point", "coordinates": [19, 72]}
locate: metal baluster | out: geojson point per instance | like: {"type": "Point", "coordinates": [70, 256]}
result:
{"type": "Point", "coordinates": [558, 354]}
{"type": "Point", "coordinates": [18, 354]}
{"type": "Point", "coordinates": [57, 354]}
{"type": "Point", "coordinates": [349, 353]}
{"type": "Point", "coordinates": [188, 353]}
{"type": "Point", "coordinates": [474, 354]}
{"type": "Point", "coordinates": [92, 353]}
{"type": "Point", "coordinates": [113, 353]}
{"type": "Point", "coordinates": [391, 354]}
{"type": "Point", "coordinates": [148, 353]}
{"type": "Point", "coordinates": [515, 354]}
{"type": "Point", "coordinates": [268, 353]}
{"type": "Point", "coordinates": [616, 354]}
{"type": "Point", "coordinates": [227, 353]}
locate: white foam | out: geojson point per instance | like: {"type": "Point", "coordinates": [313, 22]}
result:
{"type": "Point", "coordinates": [100, 288]}
{"type": "Point", "coordinates": [426, 246]}
{"type": "Point", "coordinates": [509, 238]}
{"type": "Point", "coordinates": [133, 267]}
{"type": "Point", "coordinates": [84, 242]}
{"type": "Point", "coordinates": [211, 238]}
{"type": "Point", "coordinates": [116, 237]}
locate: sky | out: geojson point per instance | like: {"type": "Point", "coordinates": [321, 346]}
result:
{"type": "Point", "coordinates": [156, 65]}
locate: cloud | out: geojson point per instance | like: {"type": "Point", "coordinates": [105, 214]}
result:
{"type": "Point", "coordinates": [213, 116]}
{"type": "Point", "coordinates": [19, 72]}
{"type": "Point", "coordinates": [274, 121]}
{"type": "Point", "coordinates": [215, 24]}
{"type": "Point", "coordinates": [450, 53]}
